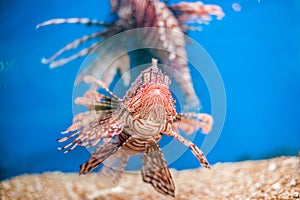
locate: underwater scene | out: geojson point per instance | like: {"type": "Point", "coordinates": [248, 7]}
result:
{"type": "Point", "coordinates": [150, 99]}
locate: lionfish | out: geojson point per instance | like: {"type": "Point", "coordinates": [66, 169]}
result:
{"type": "Point", "coordinates": [171, 21]}
{"type": "Point", "coordinates": [133, 125]}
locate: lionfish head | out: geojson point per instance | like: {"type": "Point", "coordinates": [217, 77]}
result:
{"type": "Point", "coordinates": [154, 101]}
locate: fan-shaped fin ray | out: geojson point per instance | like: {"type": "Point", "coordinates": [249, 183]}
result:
{"type": "Point", "coordinates": [102, 152]}
{"type": "Point", "coordinates": [155, 170]}
{"type": "Point", "coordinates": [113, 168]}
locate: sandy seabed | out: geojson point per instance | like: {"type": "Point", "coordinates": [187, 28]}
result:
{"type": "Point", "coordinates": [277, 178]}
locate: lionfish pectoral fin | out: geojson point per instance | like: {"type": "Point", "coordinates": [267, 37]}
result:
{"type": "Point", "coordinates": [74, 20]}
{"type": "Point", "coordinates": [74, 44]}
{"type": "Point", "coordinates": [191, 122]}
{"type": "Point", "coordinates": [195, 12]}
{"type": "Point", "coordinates": [113, 168]}
{"type": "Point", "coordinates": [102, 152]}
{"type": "Point", "coordinates": [155, 170]}
{"type": "Point", "coordinates": [195, 150]}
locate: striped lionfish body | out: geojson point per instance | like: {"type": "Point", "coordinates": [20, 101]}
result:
{"type": "Point", "coordinates": [171, 23]}
{"type": "Point", "coordinates": [125, 127]}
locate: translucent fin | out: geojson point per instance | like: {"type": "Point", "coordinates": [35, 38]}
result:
{"type": "Point", "coordinates": [155, 170]}
{"type": "Point", "coordinates": [195, 12]}
{"type": "Point", "coordinates": [91, 130]}
{"type": "Point", "coordinates": [101, 153]}
{"type": "Point", "coordinates": [191, 122]}
{"type": "Point", "coordinates": [113, 168]}
{"type": "Point", "coordinates": [97, 124]}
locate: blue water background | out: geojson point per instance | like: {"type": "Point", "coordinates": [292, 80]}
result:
{"type": "Point", "coordinates": [257, 52]}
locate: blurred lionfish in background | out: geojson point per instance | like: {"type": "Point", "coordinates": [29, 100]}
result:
{"type": "Point", "coordinates": [131, 14]}
{"type": "Point", "coordinates": [125, 127]}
